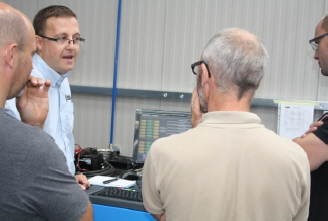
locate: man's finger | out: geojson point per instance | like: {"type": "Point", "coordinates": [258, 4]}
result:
{"type": "Point", "coordinates": [316, 124]}
{"type": "Point", "coordinates": [34, 81]}
{"type": "Point", "coordinates": [46, 85]}
{"type": "Point", "coordinates": [82, 187]}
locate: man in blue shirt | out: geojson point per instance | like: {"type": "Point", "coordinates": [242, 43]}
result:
{"type": "Point", "coordinates": [58, 42]}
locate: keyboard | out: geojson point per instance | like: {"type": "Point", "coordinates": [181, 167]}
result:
{"type": "Point", "coordinates": [126, 194]}
{"type": "Point", "coordinates": [99, 195]}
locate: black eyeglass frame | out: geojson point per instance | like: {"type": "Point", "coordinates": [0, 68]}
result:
{"type": "Point", "coordinates": [199, 63]}
{"type": "Point", "coordinates": [315, 44]}
{"type": "Point", "coordinates": [56, 40]}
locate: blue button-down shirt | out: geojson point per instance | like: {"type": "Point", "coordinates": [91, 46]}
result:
{"type": "Point", "coordinates": [60, 119]}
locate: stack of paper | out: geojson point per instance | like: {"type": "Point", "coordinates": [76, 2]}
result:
{"type": "Point", "coordinates": [98, 181]}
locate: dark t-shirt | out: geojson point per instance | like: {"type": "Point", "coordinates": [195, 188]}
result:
{"type": "Point", "coordinates": [319, 182]}
{"type": "Point", "coordinates": [35, 181]}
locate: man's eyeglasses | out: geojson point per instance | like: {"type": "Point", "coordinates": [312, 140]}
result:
{"type": "Point", "coordinates": [315, 41]}
{"type": "Point", "coordinates": [194, 67]}
{"type": "Point", "coordinates": [63, 40]}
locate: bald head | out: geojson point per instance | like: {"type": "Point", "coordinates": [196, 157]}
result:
{"type": "Point", "coordinates": [14, 26]}
{"type": "Point", "coordinates": [17, 46]}
{"type": "Point", "coordinates": [324, 23]}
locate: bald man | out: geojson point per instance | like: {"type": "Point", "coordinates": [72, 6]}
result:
{"type": "Point", "coordinates": [35, 181]}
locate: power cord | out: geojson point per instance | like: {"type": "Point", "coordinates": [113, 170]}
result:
{"type": "Point", "coordinates": [103, 172]}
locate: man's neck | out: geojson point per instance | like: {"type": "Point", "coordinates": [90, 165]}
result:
{"type": "Point", "coordinates": [228, 102]}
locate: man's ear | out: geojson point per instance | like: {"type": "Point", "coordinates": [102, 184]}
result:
{"type": "Point", "coordinates": [205, 76]}
{"type": "Point", "coordinates": [39, 42]}
{"type": "Point", "coordinates": [10, 55]}
{"type": "Point", "coordinates": [205, 81]}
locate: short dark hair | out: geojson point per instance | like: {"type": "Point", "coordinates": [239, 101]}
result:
{"type": "Point", "coordinates": [13, 28]}
{"type": "Point", "coordinates": [40, 19]}
{"type": "Point", "coordinates": [324, 25]}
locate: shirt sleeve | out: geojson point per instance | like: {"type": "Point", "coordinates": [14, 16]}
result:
{"type": "Point", "coordinates": [322, 131]}
{"type": "Point", "coordinates": [48, 187]}
{"type": "Point", "coordinates": [150, 192]}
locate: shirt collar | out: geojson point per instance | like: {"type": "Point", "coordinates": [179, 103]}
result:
{"type": "Point", "coordinates": [230, 117]}
{"type": "Point", "coordinates": [48, 72]}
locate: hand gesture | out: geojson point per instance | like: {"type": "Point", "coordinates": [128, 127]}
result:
{"type": "Point", "coordinates": [33, 104]}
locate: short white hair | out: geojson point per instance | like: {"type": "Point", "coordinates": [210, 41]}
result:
{"type": "Point", "coordinates": [237, 59]}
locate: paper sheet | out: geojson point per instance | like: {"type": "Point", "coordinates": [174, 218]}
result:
{"type": "Point", "coordinates": [294, 120]}
{"type": "Point", "coordinates": [98, 181]}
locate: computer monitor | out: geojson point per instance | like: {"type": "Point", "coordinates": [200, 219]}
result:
{"type": "Point", "coordinates": [151, 125]}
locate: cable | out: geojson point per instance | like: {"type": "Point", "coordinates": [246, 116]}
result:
{"type": "Point", "coordinates": [78, 152]}
{"type": "Point", "coordinates": [105, 171]}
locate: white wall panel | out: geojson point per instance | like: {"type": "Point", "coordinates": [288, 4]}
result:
{"type": "Point", "coordinates": [285, 32]}
{"type": "Point", "coordinates": [29, 8]}
{"type": "Point", "coordinates": [141, 44]}
{"type": "Point", "coordinates": [92, 117]}
{"type": "Point", "coordinates": [184, 39]}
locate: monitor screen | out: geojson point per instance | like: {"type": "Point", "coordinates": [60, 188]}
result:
{"type": "Point", "coordinates": [151, 125]}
